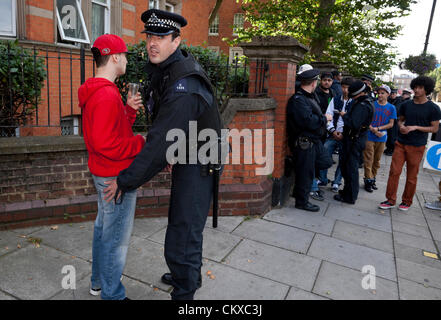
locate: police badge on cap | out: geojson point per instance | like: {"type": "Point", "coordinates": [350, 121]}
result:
{"type": "Point", "coordinates": [162, 23]}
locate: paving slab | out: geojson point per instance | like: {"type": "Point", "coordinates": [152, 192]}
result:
{"type": "Point", "coordinates": [4, 296]}
{"type": "Point", "coordinates": [225, 223]}
{"type": "Point", "coordinates": [322, 204]}
{"type": "Point", "coordinates": [233, 284]}
{"type": "Point", "coordinates": [365, 219]}
{"type": "Point", "coordinates": [304, 220]}
{"type": "Point", "coordinates": [216, 244]}
{"type": "Point", "coordinates": [353, 256]}
{"type": "Point", "coordinates": [35, 273]}
{"type": "Point", "coordinates": [366, 205]}
{"type": "Point", "coordinates": [146, 227]}
{"type": "Point", "coordinates": [363, 236]}
{"type": "Point", "coordinates": [276, 264]}
{"type": "Point", "coordinates": [341, 283]}
{"type": "Point", "coordinates": [299, 294]}
{"type": "Point", "coordinates": [74, 239]}
{"type": "Point", "coordinates": [435, 228]}
{"type": "Point", "coordinates": [9, 242]}
{"type": "Point", "coordinates": [410, 290]}
{"type": "Point", "coordinates": [411, 229]}
{"type": "Point", "coordinates": [419, 273]}
{"type": "Point", "coordinates": [414, 241]}
{"type": "Point", "coordinates": [27, 231]}
{"type": "Point", "coordinates": [146, 262]}
{"type": "Point", "coordinates": [415, 219]}
{"type": "Point", "coordinates": [275, 234]}
{"type": "Point", "coordinates": [415, 255]}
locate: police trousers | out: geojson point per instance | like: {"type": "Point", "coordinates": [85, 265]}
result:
{"type": "Point", "coordinates": [189, 206]}
{"type": "Point", "coordinates": [306, 163]}
{"type": "Point", "coordinates": [349, 160]}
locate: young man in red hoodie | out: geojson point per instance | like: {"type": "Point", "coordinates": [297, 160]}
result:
{"type": "Point", "coordinates": [112, 146]}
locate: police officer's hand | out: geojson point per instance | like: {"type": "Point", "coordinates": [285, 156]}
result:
{"type": "Point", "coordinates": [111, 190]}
{"type": "Point", "coordinates": [134, 102]}
{"type": "Point", "coordinates": [328, 117]}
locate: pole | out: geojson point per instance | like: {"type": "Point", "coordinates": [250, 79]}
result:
{"type": "Point", "coordinates": [430, 27]}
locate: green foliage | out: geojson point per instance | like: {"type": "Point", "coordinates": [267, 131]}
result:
{"type": "Point", "coordinates": [421, 64]}
{"type": "Point", "coordinates": [436, 75]}
{"type": "Point", "coordinates": [21, 79]}
{"type": "Point", "coordinates": [354, 34]}
{"type": "Point", "coordinates": [224, 78]}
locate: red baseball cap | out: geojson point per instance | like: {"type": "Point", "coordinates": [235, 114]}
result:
{"type": "Point", "coordinates": [110, 44]}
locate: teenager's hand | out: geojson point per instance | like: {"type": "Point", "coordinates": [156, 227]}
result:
{"type": "Point", "coordinates": [404, 130]}
{"type": "Point", "coordinates": [337, 135]}
{"type": "Point", "coordinates": [134, 102]}
{"type": "Point", "coordinates": [111, 190]}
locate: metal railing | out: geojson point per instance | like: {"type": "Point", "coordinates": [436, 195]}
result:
{"type": "Point", "coordinates": [55, 111]}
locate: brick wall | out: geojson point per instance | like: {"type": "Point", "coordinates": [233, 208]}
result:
{"type": "Point", "coordinates": [45, 180]}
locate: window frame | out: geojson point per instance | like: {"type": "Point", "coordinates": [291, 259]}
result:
{"type": "Point", "coordinates": [83, 23]}
{"type": "Point", "coordinates": [14, 21]}
{"type": "Point", "coordinates": [235, 25]}
{"type": "Point", "coordinates": [171, 5]}
{"type": "Point", "coordinates": [216, 22]}
{"type": "Point", "coordinates": [155, 4]}
{"type": "Point", "coordinates": [107, 15]}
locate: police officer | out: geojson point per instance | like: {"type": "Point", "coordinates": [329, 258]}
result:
{"type": "Point", "coordinates": [306, 125]}
{"type": "Point", "coordinates": [356, 125]}
{"type": "Point", "coordinates": [368, 80]}
{"type": "Point", "coordinates": [180, 92]}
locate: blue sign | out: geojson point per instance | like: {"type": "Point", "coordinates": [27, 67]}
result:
{"type": "Point", "coordinates": [434, 157]}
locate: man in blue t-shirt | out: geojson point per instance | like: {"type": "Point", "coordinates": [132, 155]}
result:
{"type": "Point", "coordinates": [384, 117]}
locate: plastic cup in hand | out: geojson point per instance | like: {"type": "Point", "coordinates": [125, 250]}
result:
{"type": "Point", "coordinates": [133, 89]}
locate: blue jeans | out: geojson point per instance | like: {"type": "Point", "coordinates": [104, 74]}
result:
{"type": "Point", "coordinates": [331, 145]}
{"type": "Point", "coordinates": [111, 236]}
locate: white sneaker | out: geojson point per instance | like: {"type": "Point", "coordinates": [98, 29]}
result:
{"type": "Point", "coordinates": [436, 205]}
{"type": "Point", "coordinates": [95, 292]}
{"type": "Point", "coordinates": [335, 188]}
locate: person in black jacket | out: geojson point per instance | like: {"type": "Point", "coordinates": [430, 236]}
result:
{"type": "Point", "coordinates": [356, 125]}
{"type": "Point", "coordinates": [306, 125]}
{"type": "Point", "coordinates": [175, 101]}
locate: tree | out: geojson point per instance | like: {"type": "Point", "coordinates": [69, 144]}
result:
{"type": "Point", "coordinates": [22, 76]}
{"type": "Point", "coordinates": [354, 34]}
{"type": "Point", "coordinates": [436, 75]}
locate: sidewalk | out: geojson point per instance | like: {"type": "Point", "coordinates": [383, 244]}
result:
{"type": "Point", "coordinates": [288, 254]}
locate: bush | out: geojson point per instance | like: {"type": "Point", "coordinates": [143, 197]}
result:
{"type": "Point", "coordinates": [21, 79]}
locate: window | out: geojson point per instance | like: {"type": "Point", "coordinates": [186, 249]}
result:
{"type": "Point", "coordinates": [169, 7]}
{"type": "Point", "coordinates": [69, 126]}
{"type": "Point", "coordinates": [154, 4]}
{"type": "Point", "coordinates": [100, 18]}
{"type": "Point", "coordinates": [238, 23]}
{"type": "Point", "coordinates": [70, 19]}
{"type": "Point", "coordinates": [8, 18]}
{"type": "Point", "coordinates": [214, 27]}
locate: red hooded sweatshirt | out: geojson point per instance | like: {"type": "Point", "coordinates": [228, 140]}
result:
{"type": "Point", "coordinates": [107, 128]}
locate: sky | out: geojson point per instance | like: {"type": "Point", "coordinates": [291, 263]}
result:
{"type": "Point", "coordinates": [412, 38]}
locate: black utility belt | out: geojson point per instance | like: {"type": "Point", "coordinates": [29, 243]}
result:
{"type": "Point", "coordinates": [304, 143]}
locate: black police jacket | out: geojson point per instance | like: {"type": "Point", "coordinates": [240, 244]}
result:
{"type": "Point", "coordinates": [174, 107]}
{"type": "Point", "coordinates": [304, 118]}
{"type": "Point", "coordinates": [359, 117]}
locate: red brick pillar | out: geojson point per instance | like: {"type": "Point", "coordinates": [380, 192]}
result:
{"type": "Point", "coordinates": [282, 55]}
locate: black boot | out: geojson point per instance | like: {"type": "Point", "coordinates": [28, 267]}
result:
{"type": "Point", "coordinates": [368, 185]}
{"type": "Point", "coordinates": [374, 185]}
{"type": "Point", "coordinates": [167, 279]}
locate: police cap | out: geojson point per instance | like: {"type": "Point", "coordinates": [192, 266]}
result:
{"type": "Point", "coordinates": [356, 88]}
{"type": "Point", "coordinates": [162, 23]}
{"type": "Point", "coordinates": [312, 74]}
{"type": "Point", "coordinates": [368, 77]}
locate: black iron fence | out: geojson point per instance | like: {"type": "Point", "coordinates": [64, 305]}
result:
{"type": "Point", "coordinates": [38, 88]}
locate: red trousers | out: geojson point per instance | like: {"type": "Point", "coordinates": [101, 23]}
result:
{"type": "Point", "coordinates": [412, 156]}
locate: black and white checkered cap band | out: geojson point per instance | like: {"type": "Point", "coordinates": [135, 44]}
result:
{"type": "Point", "coordinates": [155, 22]}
